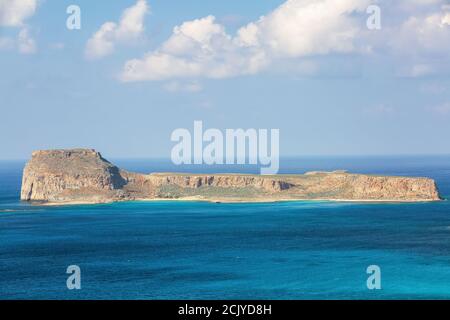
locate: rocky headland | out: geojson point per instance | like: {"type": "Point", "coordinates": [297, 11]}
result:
{"type": "Point", "coordinates": [78, 176]}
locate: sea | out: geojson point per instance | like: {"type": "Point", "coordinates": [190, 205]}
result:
{"type": "Point", "coordinates": [197, 250]}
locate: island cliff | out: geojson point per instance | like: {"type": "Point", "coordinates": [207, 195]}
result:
{"type": "Point", "coordinates": [84, 176]}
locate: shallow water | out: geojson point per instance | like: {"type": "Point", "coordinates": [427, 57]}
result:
{"type": "Point", "coordinates": [188, 250]}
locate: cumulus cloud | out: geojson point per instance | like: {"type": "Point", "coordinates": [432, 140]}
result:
{"type": "Point", "coordinates": [445, 20]}
{"type": "Point", "coordinates": [129, 28]}
{"type": "Point", "coordinates": [429, 34]}
{"type": "Point", "coordinates": [298, 28]}
{"type": "Point", "coordinates": [196, 48]}
{"type": "Point", "coordinates": [26, 44]}
{"type": "Point", "coordinates": [13, 13]}
{"type": "Point", "coordinates": [421, 43]}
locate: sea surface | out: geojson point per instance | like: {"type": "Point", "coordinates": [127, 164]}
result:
{"type": "Point", "coordinates": [195, 250]}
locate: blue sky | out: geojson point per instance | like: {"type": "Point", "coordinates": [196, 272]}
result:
{"type": "Point", "coordinates": [313, 70]}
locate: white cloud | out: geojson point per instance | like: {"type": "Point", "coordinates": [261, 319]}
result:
{"type": "Point", "coordinates": [298, 28]}
{"type": "Point", "coordinates": [13, 13]}
{"type": "Point", "coordinates": [25, 43]}
{"type": "Point", "coordinates": [445, 20]}
{"type": "Point", "coordinates": [129, 28]}
{"type": "Point", "coordinates": [421, 44]}
{"type": "Point", "coordinates": [198, 48]}
{"type": "Point", "coordinates": [429, 34]}
{"type": "Point", "coordinates": [416, 39]}
{"type": "Point", "coordinates": [442, 109]}
{"type": "Point", "coordinates": [418, 70]}
{"type": "Point", "coordinates": [176, 86]}
{"type": "Point", "coordinates": [102, 42]}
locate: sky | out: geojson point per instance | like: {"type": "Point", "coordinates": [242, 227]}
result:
{"type": "Point", "coordinates": [137, 70]}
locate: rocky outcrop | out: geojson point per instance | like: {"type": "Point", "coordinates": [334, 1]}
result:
{"type": "Point", "coordinates": [340, 185]}
{"type": "Point", "coordinates": [59, 175]}
{"type": "Point", "coordinates": [224, 181]}
{"type": "Point", "coordinates": [84, 176]}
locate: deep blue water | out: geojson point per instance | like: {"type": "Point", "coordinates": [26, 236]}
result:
{"type": "Point", "coordinates": [189, 250]}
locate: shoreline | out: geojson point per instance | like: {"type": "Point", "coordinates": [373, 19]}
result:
{"type": "Point", "coordinates": [83, 176]}
{"type": "Point", "coordinates": [234, 201]}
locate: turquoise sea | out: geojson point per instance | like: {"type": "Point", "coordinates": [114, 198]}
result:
{"type": "Point", "coordinates": [195, 250]}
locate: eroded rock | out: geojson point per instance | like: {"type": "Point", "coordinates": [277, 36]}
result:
{"type": "Point", "coordinates": [84, 176]}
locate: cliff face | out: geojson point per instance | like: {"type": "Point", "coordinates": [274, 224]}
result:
{"type": "Point", "coordinates": [83, 176]}
{"type": "Point", "coordinates": [224, 181]}
{"type": "Point", "coordinates": [60, 175]}
{"type": "Point", "coordinates": [346, 186]}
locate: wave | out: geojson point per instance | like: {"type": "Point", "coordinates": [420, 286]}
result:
{"type": "Point", "coordinates": [18, 210]}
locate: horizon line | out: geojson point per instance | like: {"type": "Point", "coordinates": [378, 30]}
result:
{"type": "Point", "coordinates": [119, 158]}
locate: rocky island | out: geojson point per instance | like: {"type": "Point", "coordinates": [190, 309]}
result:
{"type": "Point", "coordinates": [83, 176]}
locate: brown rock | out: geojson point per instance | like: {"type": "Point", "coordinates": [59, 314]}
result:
{"type": "Point", "coordinates": [84, 176]}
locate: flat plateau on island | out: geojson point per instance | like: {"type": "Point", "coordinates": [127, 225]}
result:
{"type": "Point", "coordinates": [83, 176]}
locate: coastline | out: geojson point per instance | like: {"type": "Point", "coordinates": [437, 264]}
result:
{"type": "Point", "coordinates": [83, 176]}
{"type": "Point", "coordinates": [233, 201]}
